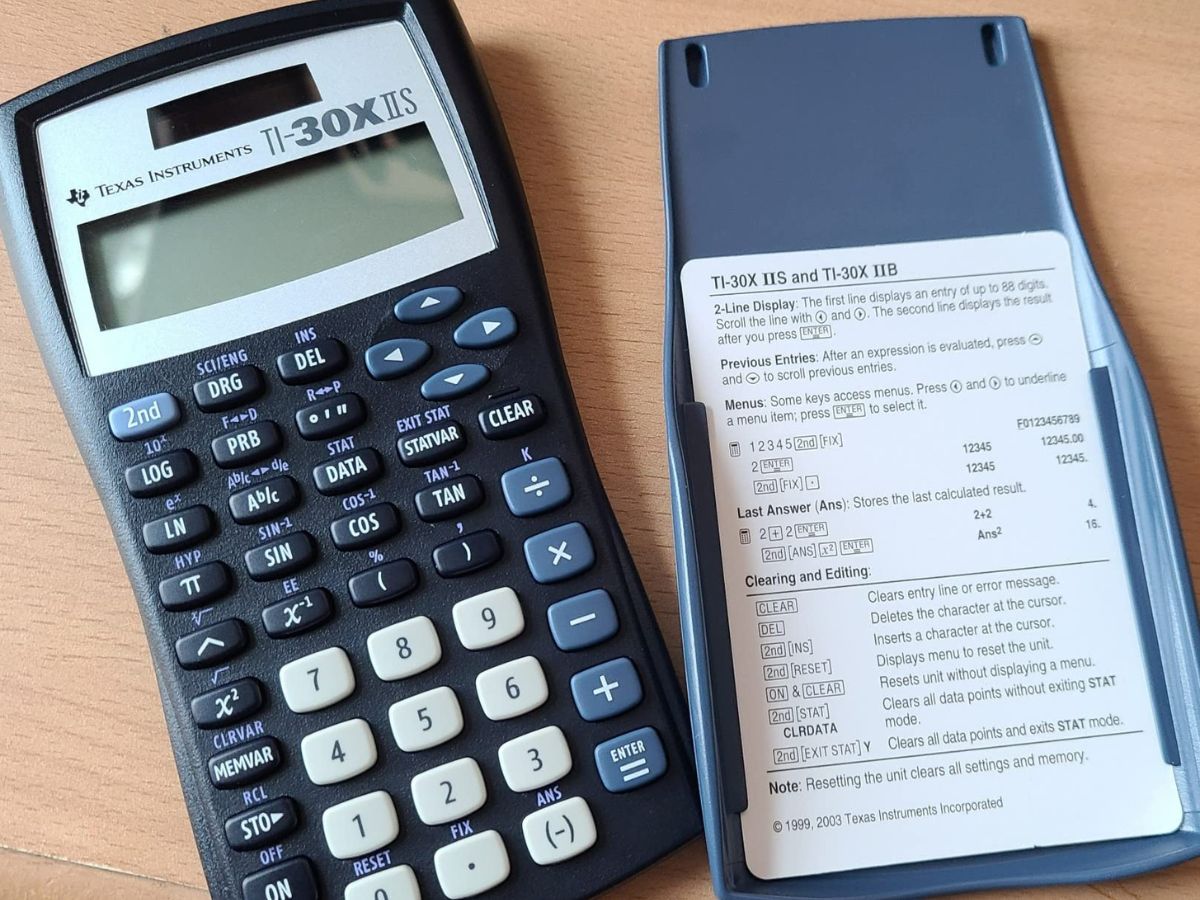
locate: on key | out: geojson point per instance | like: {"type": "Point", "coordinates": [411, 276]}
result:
{"type": "Point", "coordinates": [384, 583]}
{"type": "Point", "coordinates": [293, 879]}
{"type": "Point", "coordinates": [466, 554]}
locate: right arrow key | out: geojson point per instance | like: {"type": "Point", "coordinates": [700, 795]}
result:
{"type": "Point", "coordinates": [490, 328]}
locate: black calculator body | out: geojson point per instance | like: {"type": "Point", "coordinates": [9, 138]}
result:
{"type": "Point", "coordinates": [284, 280]}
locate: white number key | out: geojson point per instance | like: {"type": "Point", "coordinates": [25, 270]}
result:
{"type": "Point", "coordinates": [450, 792]}
{"type": "Point", "coordinates": [488, 619]}
{"type": "Point", "coordinates": [396, 883]}
{"type": "Point", "coordinates": [404, 649]}
{"type": "Point", "coordinates": [472, 865]}
{"type": "Point", "coordinates": [360, 826]}
{"type": "Point", "coordinates": [316, 681]}
{"type": "Point", "coordinates": [512, 689]}
{"type": "Point", "coordinates": [536, 759]}
{"type": "Point", "coordinates": [558, 832]}
{"type": "Point", "coordinates": [426, 720]}
{"type": "Point", "coordinates": [339, 752]}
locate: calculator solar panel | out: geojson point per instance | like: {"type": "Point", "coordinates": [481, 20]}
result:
{"type": "Point", "coordinates": [296, 317]}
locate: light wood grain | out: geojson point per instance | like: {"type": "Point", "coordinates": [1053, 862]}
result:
{"type": "Point", "coordinates": [85, 771]}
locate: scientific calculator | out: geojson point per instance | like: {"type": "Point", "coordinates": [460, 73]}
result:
{"type": "Point", "coordinates": [284, 280]}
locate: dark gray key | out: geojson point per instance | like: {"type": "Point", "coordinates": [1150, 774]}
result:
{"type": "Point", "coordinates": [298, 613]}
{"type": "Point", "coordinates": [229, 389]}
{"type": "Point", "coordinates": [448, 499]}
{"type": "Point", "coordinates": [311, 362]}
{"type": "Point", "coordinates": [429, 445]}
{"type": "Point", "coordinates": [228, 704]}
{"type": "Point", "coordinates": [365, 527]}
{"type": "Point", "coordinates": [211, 645]}
{"type": "Point", "coordinates": [195, 587]}
{"type": "Point", "coordinates": [246, 445]}
{"type": "Point", "coordinates": [330, 417]}
{"type": "Point", "coordinates": [262, 825]}
{"type": "Point", "coordinates": [280, 557]}
{"type": "Point", "coordinates": [161, 474]}
{"type": "Point", "coordinates": [245, 764]}
{"type": "Point", "coordinates": [348, 473]}
{"type": "Point", "coordinates": [264, 501]}
{"type": "Point", "coordinates": [178, 530]}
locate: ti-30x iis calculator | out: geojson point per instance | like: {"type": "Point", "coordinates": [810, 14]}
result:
{"type": "Point", "coordinates": [283, 276]}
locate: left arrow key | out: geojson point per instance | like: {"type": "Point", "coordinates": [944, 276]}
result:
{"type": "Point", "coordinates": [212, 645]}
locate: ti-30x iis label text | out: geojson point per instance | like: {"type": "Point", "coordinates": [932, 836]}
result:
{"type": "Point", "coordinates": [934, 635]}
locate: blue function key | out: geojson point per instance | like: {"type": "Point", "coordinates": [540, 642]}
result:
{"type": "Point", "coordinates": [490, 328]}
{"type": "Point", "coordinates": [143, 418]}
{"type": "Point", "coordinates": [631, 760]}
{"type": "Point", "coordinates": [536, 487]}
{"type": "Point", "coordinates": [560, 553]}
{"type": "Point", "coordinates": [583, 620]}
{"type": "Point", "coordinates": [606, 690]}
{"type": "Point", "coordinates": [455, 381]}
{"type": "Point", "coordinates": [428, 305]}
{"type": "Point", "coordinates": [395, 358]}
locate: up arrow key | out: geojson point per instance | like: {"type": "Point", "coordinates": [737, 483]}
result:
{"type": "Point", "coordinates": [212, 645]}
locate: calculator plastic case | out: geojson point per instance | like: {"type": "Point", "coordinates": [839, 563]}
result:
{"type": "Point", "coordinates": [634, 828]}
{"type": "Point", "coordinates": [876, 132]}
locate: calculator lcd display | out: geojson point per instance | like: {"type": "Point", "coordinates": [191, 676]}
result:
{"type": "Point", "coordinates": [267, 228]}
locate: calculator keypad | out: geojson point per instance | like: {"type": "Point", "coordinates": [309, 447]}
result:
{"type": "Point", "coordinates": [404, 649]}
{"type": "Point", "coordinates": [360, 826]}
{"type": "Point", "coordinates": [560, 831]}
{"type": "Point", "coordinates": [512, 689]}
{"type": "Point", "coordinates": [339, 752]}
{"type": "Point", "coordinates": [535, 760]}
{"type": "Point", "coordinates": [311, 499]}
{"type": "Point", "coordinates": [426, 720]}
{"type": "Point", "coordinates": [471, 866]}
{"type": "Point", "coordinates": [448, 792]}
{"type": "Point", "coordinates": [318, 680]}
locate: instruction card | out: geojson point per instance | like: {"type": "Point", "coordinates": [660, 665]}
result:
{"type": "Point", "coordinates": [933, 632]}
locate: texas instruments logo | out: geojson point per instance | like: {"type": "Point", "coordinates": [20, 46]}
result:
{"type": "Point", "coordinates": [79, 197]}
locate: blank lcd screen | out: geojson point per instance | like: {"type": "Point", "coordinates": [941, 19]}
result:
{"type": "Point", "coordinates": [266, 228]}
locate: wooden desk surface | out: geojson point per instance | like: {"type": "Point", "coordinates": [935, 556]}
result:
{"type": "Point", "coordinates": [89, 801]}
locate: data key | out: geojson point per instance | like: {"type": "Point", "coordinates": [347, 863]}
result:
{"type": "Point", "coordinates": [347, 473]}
